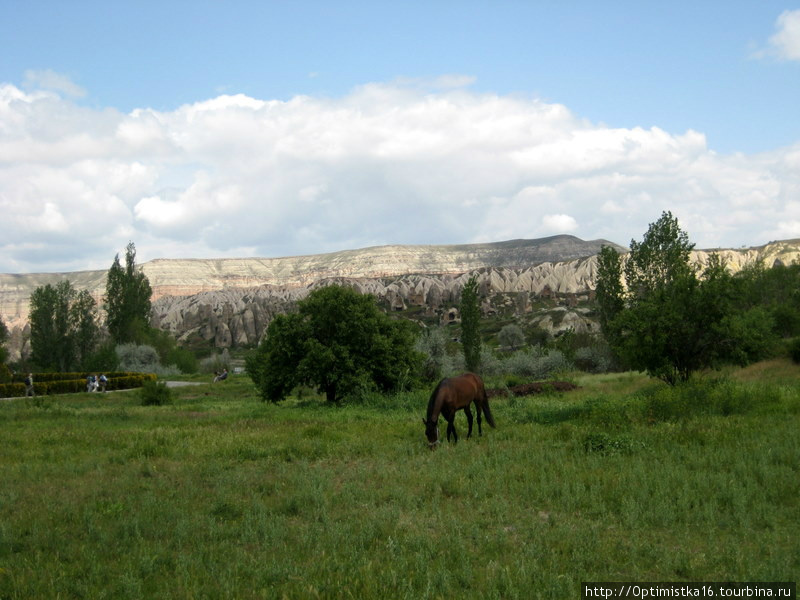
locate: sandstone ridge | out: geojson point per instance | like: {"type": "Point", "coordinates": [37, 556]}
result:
{"type": "Point", "coordinates": [181, 277]}
{"type": "Point", "coordinates": [230, 302]}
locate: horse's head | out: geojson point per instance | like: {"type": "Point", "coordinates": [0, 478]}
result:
{"type": "Point", "coordinates": [432, 431]}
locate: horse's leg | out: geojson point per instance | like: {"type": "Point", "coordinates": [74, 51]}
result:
{"type": "Point", "coordinates": [451, 426]}
{"type": "Point", "coordinates": [479, 409]}
{"type": "Point", "coordinates": [468, 412]}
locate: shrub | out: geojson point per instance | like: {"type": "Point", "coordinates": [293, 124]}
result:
{"type": "Point", "coordinates": [11, 390]}
{"type": "Point", "coordinates": [142, 359]}
{"type": "Point", "coordinates": [5, 374]}
{"type": "Point", "coordinates": [103, 359]}
{"type": "Point", "coordinates": [64, 386]}
{"type": "Point", "coordinates": [536, 364]}
{"type": "Point", "coordinates": [592, 359]}
{"type": "Point", "coordinates": [216, 362]}
{"type": "Point", "coordinates": [511, 336]}
{"type": "Point", "coordinates": [490, 364]}
{"type": "Point", "coordinates": [183, 359]}
{"type": "Point", "coordinates": [432, 344]}
{"type": "Point", "coordinates": [453, 364]}
{"type": "Point", "coordinates": [154, 393]}
{"type": "Point", "coordinates": [70, 383]}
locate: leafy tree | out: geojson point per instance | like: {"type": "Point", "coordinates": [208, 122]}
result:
{"type": "Point", "coordinates": [127, 299]}
{"type": "Point", "coordinates": [777, 290]}
{"type": "Point", "coordinates": [64, 329]}
{"type": "Point", "coordinates": [104, 358]}
{"type": "Point", "coordinates": [660, 259]}
{"type": "Point", "coordinates": [87, 332]}
{"type": "Point", "coordinates": [669, 322]}
{"type": "Point", "coordinates": [338, 341]}
{"type": "Point", "coordinates": [511, 336]}
{"type": "Point", "coordinates": [609, 292]}
{"type": "Point", "coordinates": [470, 325]}
{"type": "Point", "coordinates": [169, 353]}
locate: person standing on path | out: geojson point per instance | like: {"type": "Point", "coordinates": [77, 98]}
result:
{"type": "Point", "coordinates": [29, 391]}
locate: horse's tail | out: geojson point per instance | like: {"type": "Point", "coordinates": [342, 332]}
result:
{"type": "Point", "coordinates": [487, 412]}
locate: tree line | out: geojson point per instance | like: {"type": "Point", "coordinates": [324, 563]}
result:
{"type": "Point", "coordinates": [658, 313]}
{"type": "Point", "coordinates": [662, 315]}
{"type": "Point", "coordinates": [65, 327]}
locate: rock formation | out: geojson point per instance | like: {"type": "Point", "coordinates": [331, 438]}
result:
{"type": "Point", "coordinates": [230, 302]}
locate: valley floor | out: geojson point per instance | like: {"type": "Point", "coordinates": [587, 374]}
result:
{"type": "Point", "coordinates": [220, 495]}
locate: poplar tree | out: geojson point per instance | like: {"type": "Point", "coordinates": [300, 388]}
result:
{"type": "Point", "coordinates": [127, 299]}
{"type": "Point", "coordinates": [470, 325]}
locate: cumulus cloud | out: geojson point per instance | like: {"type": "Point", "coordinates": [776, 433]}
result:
{"type": "Point", "coordinates": [559, 223]}
{"type": "Point", "coordinates": [395, 163]}
{"type": "Point", "coordinates": [784, 44]}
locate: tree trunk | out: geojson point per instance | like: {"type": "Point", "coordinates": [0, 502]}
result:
{"type": "Point", "coordinates": [330, 393]}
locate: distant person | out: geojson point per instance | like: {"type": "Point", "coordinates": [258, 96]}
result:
{"type": "Point", "coordinates": [91, 383]}
{"type": "Point", "coordinates": [102, 382]}
{"type": "Point", "coordinates": [222, 376]}
{"type": "Point", "coordinates": [29, 391]}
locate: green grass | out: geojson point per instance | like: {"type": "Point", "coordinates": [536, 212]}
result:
{"type": "Point", "coordinates": [218, 495]}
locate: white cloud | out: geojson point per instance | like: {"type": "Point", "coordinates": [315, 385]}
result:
{"type": "Point", "coordinates": [786, 40]}
{"type": "Point", "coordinates": [52, 81]}
{"type": "Point", "coordinates": [784, 44]}
{"type": "Point", "coordinates": [387, 163]}
{"type": "Point", "coordinates": [559, 223]}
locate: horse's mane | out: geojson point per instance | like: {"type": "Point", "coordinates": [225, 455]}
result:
{"type": "Point", "coordinates": [432, 401]}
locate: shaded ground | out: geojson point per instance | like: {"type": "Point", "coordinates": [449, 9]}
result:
{"type": "Point", "coordinates": [537, 387]}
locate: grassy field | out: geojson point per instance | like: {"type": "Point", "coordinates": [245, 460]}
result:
{"type": "Point", "coordinates": [219, 495]}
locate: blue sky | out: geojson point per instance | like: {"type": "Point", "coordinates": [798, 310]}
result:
{"type": "Point", "coordinates": [201, 129]}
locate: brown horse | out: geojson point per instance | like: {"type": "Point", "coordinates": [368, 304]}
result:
{"type": "Point", "coordinates": [452, 395]}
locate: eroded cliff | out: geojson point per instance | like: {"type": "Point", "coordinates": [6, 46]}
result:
{"type": "Point", "coordinates": [230, 302]}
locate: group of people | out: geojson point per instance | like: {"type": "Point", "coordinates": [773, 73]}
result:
{"type": "Point", "coordinates": [96, 383]}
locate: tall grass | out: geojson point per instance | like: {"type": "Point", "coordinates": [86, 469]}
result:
{"type": "Point", "coordinates": [218, 495]}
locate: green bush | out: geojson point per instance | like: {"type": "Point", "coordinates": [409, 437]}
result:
{"type": "Point", "coordinates": [70, 383]}
{"type": "Point", "coordinates": [593, 359]}
{"type": "Point", "coordinates": [11, 390]}
{"type": "Point", "coordinates": [535, 364]}
{"type": "Point", "coordinates": [154, 393]}
{"type": "Point", "coordinates": [103, 359]}
{"type": "Point", "coordinates": [511, 336]}
{"type": "Point", "coordinates": [64, 386]}
{"type": "Point", "coordinates": [141, 358]}
{"type": "Point", "coordinates": [184, 359]}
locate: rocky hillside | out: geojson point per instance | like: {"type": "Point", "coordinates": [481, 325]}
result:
{"type": "Point", "coordinates": [230, 302]}
{"type": "Point", "coordinates": [183, 277]}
